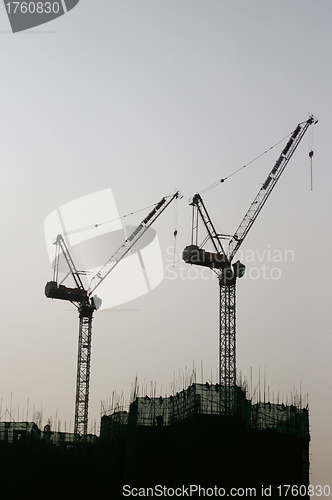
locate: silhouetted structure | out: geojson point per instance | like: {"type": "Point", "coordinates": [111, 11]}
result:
{"type": "Point", "coordinates": [187, 440]}
{"type": "Point", "coordinates": [191, 439]}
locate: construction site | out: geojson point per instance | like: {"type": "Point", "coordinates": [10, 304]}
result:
{"type": "Point", "coordinates": [192, 437]}
{"type": "Point", "coordinates": [189, 438]}
{"type": "Point", "coordinates": [206, 439]}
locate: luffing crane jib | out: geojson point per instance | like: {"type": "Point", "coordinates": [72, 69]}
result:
{"type": "Point", "coordinates": [154, 211]}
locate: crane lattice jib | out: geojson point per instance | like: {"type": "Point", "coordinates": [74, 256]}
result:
{"type": "Point", "coordinates": [61, 242]}
{"type": "Point", "coordinates": [267, 187]}
{"type": "Point", "coordinates": [130, 242]}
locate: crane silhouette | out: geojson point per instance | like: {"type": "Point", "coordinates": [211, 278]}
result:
{"type": "Point", "coordinates": [87, 303]}
{"type": "Point", "coordinates": [221, 261]}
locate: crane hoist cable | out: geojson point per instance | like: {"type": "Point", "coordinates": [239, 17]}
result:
{"type": "Point", "coordinates": [311, 154]}
{"type": "Point", "coordinates": [175, 230]}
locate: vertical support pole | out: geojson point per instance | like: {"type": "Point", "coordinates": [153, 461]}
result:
{"type": "Point", "coordinates": [83, 370]}
{"type": "Point", "coordinates": [227, 375]}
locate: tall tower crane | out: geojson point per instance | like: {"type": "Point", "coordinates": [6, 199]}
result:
{"type": "Point", "coordinates": [86, 304]}
{"type": "Point", "coordinates": [221, 261]}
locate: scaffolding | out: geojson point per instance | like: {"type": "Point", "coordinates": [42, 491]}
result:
{"type": "Point", "coordinates": [114, 426]}
{"type": "Point", "coordinates": [13, 432]}
{"type": "Point", "coordinates": [26, 432]}
{"type": "Point", "coordinates": [290, 420]}
{"type": "Point", "coordinates": [258, 441]}
{"type": "Point", "coordinates": [206, 399]}
{"type": "Point", "coordinates": [209, 399]}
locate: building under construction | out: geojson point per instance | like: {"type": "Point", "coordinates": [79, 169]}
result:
{"type": "Point", "coordinates": [191, 438]}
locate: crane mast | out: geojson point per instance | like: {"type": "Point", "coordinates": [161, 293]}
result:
{"type": "Point", "coordinates": [227, 274]}
{"type": "Point", "coordinates": [221, 262]}
{"type": "Point", "coordinates": [86, 305]}
{"type": "Point", "coordinates": [85, 314]}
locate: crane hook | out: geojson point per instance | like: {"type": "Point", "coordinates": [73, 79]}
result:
{"type": "Point", "coordinates": [311, 154]}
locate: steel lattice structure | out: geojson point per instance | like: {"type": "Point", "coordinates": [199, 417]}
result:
{"type": "Point", "coordinates": [227, 375]}
{"type": "Point", "coordinates": [83, 370]}
{"type": "Point", "coordinates": [227, 339]}
{"type": "Point", "coordinates": [86, 305]}
{"type": "Point", "coordinates": [221, 262]}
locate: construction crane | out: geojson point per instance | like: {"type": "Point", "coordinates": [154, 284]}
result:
{"type": "Point", "coordinates": [86, 304]}
{"type": "Point", "coordinates": [220, 261]}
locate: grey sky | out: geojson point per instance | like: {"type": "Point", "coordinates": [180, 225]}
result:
{"type": "Point", "coordinates": [144, 96]}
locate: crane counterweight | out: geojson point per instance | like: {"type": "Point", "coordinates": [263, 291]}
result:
{"type": "Point", "coordinates": [55, 291]}
{"type": "Point", "coordinates": [192, 254]}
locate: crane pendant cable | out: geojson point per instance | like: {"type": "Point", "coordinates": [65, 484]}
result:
{"type": "Point", "coordinates": [244, 166]}
{"type": "Point", "coordinates": [93, 226]}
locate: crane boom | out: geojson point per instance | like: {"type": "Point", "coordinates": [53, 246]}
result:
{"type": "Point", "coordinates": [130, 242]}
{"type": "Point", "coordinates": [265, 191]}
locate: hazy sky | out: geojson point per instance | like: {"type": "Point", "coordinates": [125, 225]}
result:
{"type": "Point", "coordinates": [142, 96]}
